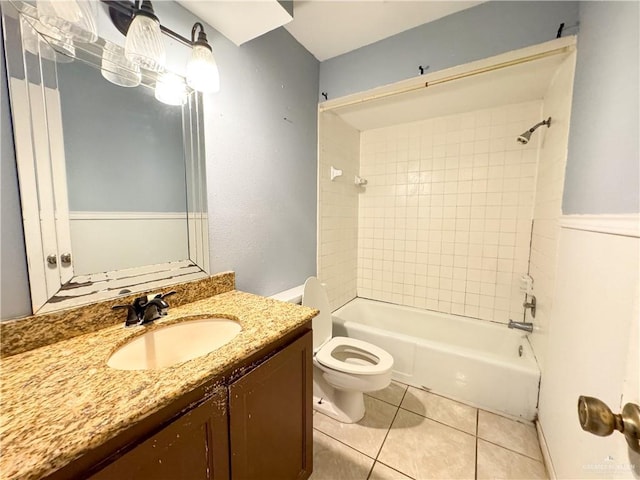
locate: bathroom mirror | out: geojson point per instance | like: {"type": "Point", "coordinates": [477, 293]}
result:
{"type": "Point", "coordinates": [112, 181]}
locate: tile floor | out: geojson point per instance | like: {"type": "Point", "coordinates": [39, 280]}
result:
{"type": "Point", "coordinates": [408, 433]}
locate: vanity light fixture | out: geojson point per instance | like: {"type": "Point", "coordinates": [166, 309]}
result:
{"type": "Point", "coordinates": [170, 89]}
{"type": "Point", "coordinates": [143, 45]}
{"type": "Point", "coordinates": [75, 19]}
{"type": "Point", "coordinates": [202, 70]}
{"type": "Point", "coordinates": [116, 68]}
{"type": "Point", "coordinates": [56, 47]}
{"type": "Point", "coordinates": [137, 23]}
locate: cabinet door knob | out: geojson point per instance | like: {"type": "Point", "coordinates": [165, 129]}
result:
{"type": "Point", "coordinates": [52, 260]}
{"type": "Point", "coordinates": [65, 258]}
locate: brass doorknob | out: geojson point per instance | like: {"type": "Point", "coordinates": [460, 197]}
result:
{"type": "Point", "coordinates": [597, 418]}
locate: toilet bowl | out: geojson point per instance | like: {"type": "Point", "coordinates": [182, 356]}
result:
{"type": "Point", "coordinates": [343, 368]}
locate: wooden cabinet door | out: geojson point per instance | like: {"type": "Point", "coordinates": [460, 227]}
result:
{"type": "Point", "coordinates": [195, 446]}
{"type": "Point", "coordinates": [270, 418]}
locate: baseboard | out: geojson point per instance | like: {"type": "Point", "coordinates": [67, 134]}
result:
{"type": "Point", "coordinates": [546, 455]}
{"type": "Point", "coordinates": [622, 224]}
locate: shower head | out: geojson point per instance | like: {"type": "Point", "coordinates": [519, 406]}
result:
{"type": "Point", "coordinates": [524, 138]}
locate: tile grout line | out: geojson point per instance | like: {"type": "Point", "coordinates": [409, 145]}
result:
{"type": "Point", "coordinates": [511, 450]}
{"type": "Point", "coordinates": [477, 428]}
{"type": "Point", "coordinates": [398, 407]}
{"type": "Point", "coordinates": [388, 430]}
{"type": "Point", "coordinates": [343, 443]}
{"type": "Point", "coordinates": [477, 433]}
{"type": "Point", "coordinates": [430, 418]}
{"type": "Point", "coordinates": [396, 470]}
{"type": "Point", "coordinates": [439, 422]}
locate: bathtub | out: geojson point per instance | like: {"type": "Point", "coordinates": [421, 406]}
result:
{"type": "Point", "coordinates": [481, 363]}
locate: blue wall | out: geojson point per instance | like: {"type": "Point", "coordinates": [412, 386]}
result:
{"type": "Point", "coordinates": [262, 177]}
{"type": "Point", "coordinates": [127, 158]}
{"type": "Point", "coordinates": [14, 286]}
{"type": "Point", "coordinates": [603, 166]}
{"type": "Point", "coordinates": [488, 29]}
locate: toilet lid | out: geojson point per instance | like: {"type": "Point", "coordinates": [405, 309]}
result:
{"type": "Point", "coordinates": [350, 355]}
{"type": "Point", "coordinates": [315, 296]}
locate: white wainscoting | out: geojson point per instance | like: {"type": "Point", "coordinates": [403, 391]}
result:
{"type": "Point", "coordinates": [622, 224]}
{"type": "Point", "coordinates": [104, 241]}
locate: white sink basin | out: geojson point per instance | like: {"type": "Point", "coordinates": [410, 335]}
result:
{"type": "Point", "coordinates": [176, 343]}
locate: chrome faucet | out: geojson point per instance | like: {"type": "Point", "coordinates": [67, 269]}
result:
{"type": "Point", "coordinates": [143, 310]}
{"type": "Point", "coordinates": [526, 326]}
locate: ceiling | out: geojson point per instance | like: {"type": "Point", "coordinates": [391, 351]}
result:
{"type": "Point", "coordinates": [330, 28]}
{"type": "Point", "coordinates": [326, 28]}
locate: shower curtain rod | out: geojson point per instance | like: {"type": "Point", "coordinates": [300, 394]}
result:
{"type": "Point", "coordinates": [450, 78]}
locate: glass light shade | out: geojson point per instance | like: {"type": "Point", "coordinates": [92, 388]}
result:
{"type": "Point", "coordinates": [72, 18]}
{"type": "Point", "coordinates": [117, 69]}
{"type": "Point", "coordinates": [202, 70]}
{"type": "Point", "coordinates": [143, 45]}
{"type": "Point", "coordinates": [171, 89]}
{"type": "Point", "coordinates": [54, 47]}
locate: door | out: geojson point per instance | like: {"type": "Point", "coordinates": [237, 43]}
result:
{"type": "Point", "coordinates": [270, 417]}
{"type": "Point", "coordinates": [592, 350]}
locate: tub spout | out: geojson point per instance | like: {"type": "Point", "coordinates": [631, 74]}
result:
{"type": "Point", "coordinates": [526, 326]}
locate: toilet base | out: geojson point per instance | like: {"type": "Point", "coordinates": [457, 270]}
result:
{"type": "Point", "coordinates": [345, 406]}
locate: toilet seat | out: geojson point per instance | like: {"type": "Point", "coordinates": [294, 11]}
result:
{"type": "Point", "coordinates": [373, 360]}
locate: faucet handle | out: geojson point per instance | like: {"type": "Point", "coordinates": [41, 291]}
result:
{"type": "Point", "coordinates": [132, 314]}
{"type": "Point", "coordinates": [165, 295]}
{"type": "Point", "coordinates": [531, 304]}
{"type": "Point", "coordinates": [156, 307]}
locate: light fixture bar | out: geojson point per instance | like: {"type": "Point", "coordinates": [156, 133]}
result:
{"type": "Point", "coordinates": [176, 36]}
{"type": "Point", "coordinates": [202, 73]}
{"type": "Point", "coordinates": [128, 9]}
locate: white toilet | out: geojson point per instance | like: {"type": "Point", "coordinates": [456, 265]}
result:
{"type": "Point", "coordinates": [343, 368]}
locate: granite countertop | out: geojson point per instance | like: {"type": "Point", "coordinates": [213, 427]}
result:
{"type": "Point", "coordinates": [62, 400]}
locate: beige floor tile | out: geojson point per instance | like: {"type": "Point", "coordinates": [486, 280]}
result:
{"type": "Point", "coordinates": [333, 460]}
{"type": "Point", "coordinates": [382, 472]}
{"type": "Point", "coordinates": [441, 409]}
{"type": "Point", "coordinates": [425, 449]}
{"type": "Point", "coordinates": [516, 436]}
{"type": "Point", "coordinates": [367, 435]}
{"type": "Point", "coordinates": [392, 394]}
{"type": "Point", "coordinates": [497, 463]}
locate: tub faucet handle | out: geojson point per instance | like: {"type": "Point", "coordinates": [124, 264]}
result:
{"type": "Point", "coordinates": [531, 305]}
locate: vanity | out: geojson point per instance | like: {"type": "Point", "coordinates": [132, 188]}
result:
{"type": "Point", "coordinates": [242, 411]}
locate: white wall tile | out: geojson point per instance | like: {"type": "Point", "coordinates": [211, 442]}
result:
{"type": "Point", "coordinates": [458, 210]}
{"type": "Point", "coordinates": [338, 208]}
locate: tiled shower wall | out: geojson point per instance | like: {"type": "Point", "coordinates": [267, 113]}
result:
{"type": "Point", "coordinates": [445, 221]}
{"type": "Point", "coordinates": [338, 208]}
